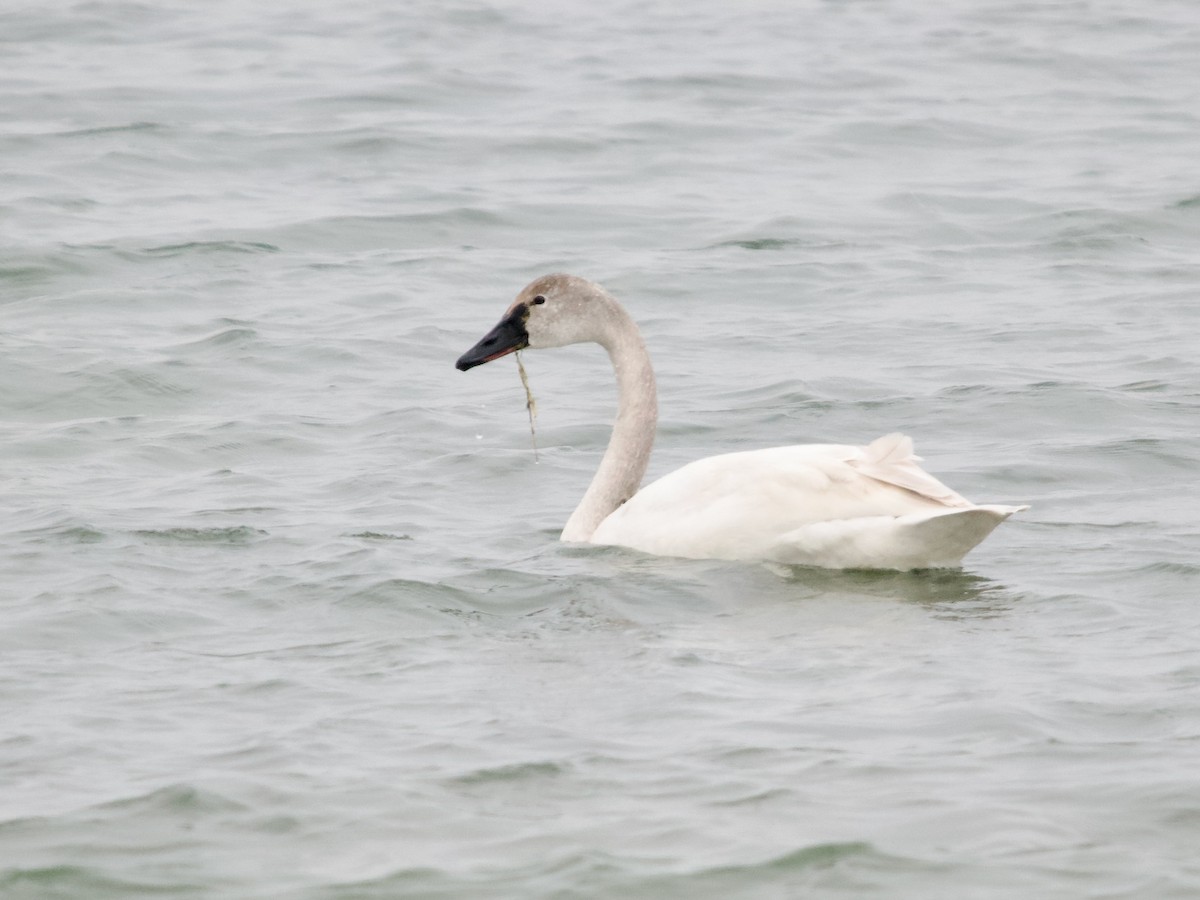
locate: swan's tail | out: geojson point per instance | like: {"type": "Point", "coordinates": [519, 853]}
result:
{"type": "Point", "coordinates": [936, 540]}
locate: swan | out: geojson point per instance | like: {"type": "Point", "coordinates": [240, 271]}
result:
{"type": "Point", "coordinates": [829, 505]}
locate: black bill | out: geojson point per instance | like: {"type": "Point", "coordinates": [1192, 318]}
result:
{"type": "Point", "coordinates": [507, 337]}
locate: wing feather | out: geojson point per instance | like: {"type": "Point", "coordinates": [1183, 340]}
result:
{"type": "Point", "coordinates": [891, 459]}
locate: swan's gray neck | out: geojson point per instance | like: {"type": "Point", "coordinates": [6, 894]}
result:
{"type": "Point", "coordinates": [628, 454]}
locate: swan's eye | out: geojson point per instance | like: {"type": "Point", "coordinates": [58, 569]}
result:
{"type": "Point", "coordinates": [539, 300]}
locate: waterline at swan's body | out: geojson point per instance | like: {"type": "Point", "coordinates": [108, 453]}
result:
{"type": "Point", "coordinates": [814, 504]}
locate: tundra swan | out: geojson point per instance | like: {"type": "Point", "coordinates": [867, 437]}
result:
{"type": "Point", "coordinates": [831, 505]}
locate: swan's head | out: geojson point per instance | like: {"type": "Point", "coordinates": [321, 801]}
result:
{"type": "Point", "coordinates": [552, 311]}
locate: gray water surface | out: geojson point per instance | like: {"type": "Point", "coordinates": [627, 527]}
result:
{"type": "Point", "coordinates": [283, 612]}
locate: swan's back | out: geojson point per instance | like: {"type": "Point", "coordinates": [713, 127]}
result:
{"type": "Point", "coordinates": [830, 505]}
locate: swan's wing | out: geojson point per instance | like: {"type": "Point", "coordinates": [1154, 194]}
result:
{"type": "Point", "coordinates": [737, 505]}
{"type": "Point", "coordinates": [749, 505]}
{"type": "Point", "coordinates": [891, 459]}
{"type": "Point", "coordinates": [928, 540]}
